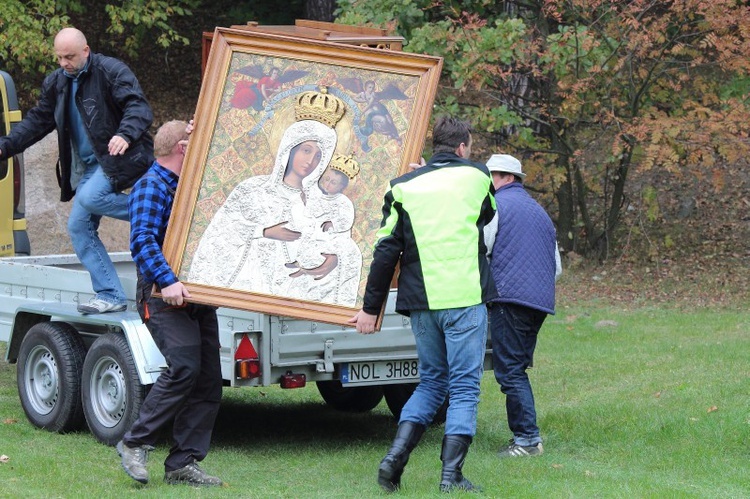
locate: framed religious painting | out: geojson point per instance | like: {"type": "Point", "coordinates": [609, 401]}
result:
{"type": "Point", "coordinates": [294, 145]}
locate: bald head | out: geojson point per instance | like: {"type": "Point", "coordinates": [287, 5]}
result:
{"type": "Point", "coordinates": [71, 36]}
{"type": "Point", "coordinates": [71, 50]}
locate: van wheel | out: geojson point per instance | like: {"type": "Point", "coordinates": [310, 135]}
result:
{"type": "Point", "coordinates": [397, 395]}
{"type": "Point", "coordinates": [355, 399]}
{"type": "Point", "coordinates": [111, 391]}
{"type": "Point", "coordinates": [49, 376]}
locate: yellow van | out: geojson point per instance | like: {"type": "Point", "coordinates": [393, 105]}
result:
{"type": "Point", "coordinates": [14, 239]}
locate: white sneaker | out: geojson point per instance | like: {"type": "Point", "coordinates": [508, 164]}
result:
{"type": "Point", "coordinates": [99, 306]}
{"type": "Point", "coordinates": [515, 450]}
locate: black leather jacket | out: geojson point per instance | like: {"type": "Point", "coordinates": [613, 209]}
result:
{"type": "Point", "coordinates": [110, 102]}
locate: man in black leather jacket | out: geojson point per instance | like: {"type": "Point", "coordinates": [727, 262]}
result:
{"type": "Point", "coordinates": [102, 120]}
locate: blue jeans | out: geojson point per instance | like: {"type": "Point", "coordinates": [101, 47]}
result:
{"type": "Point", "coordinates": [95, 197]}
{"type": "Point", "coordinates": [514, 330]}
{"type": "Point", "coordinates": [450, 346]}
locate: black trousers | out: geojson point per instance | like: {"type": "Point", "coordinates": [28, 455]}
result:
{"type": "Point", "coordinates": [188, 393]}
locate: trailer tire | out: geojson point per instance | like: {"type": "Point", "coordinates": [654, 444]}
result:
{"type": "Point", "coordinates": [355, 399]}
{"type": "Point", "coordinates": [397, 395]}
{"type": "Point", "coordinates": [111, 390]}
{"type": "Point", "coordinates": [50, 361]}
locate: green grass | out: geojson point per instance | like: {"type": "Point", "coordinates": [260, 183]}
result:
{"type": "Point", "coordinates": [651, 403]}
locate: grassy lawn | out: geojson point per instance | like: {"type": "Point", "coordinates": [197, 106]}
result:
{"type": "Point", "coordinates": [631, 402]}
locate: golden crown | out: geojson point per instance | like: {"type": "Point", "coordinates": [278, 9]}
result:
{"type": "Point", "coordinates": [319, 106]}
{"type": "Point", "coordinates": [345, 164]}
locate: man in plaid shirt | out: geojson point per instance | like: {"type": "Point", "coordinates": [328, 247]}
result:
{"type": "Point", "coordinates": [188, 393]}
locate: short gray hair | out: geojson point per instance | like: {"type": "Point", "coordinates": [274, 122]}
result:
{"type": "Point", "coordinates": [169, 134]}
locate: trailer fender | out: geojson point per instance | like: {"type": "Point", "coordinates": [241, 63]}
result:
{"type": "Point", "coordinates": [149, 360]}
{"type": "Point", "coordinates": [146, 354]}
{"type": "Point", "coordinates": [22, 322]}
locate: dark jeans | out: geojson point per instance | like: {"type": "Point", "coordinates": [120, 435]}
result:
{"type": "Point", "coordinates": [514, 330]}
{"type": "Point", "coordinates": [188, 393]}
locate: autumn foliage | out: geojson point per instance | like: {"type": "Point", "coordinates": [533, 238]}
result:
{"type": "Point", "coordinates": [589, 93]}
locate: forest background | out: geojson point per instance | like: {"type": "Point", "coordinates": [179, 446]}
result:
{"type": "Point", "coordinates": [631, 118]}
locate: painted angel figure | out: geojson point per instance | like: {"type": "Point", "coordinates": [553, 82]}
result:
{"type": "Point", "coordinates": [254, 94]}
{"type": "Point", "coordinates": [366, 96]}
{"type": "Point", "coordinates": [375, 115]}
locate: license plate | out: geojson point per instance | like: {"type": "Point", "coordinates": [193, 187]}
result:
{"type": "Point", "coordinates": [379, 372]}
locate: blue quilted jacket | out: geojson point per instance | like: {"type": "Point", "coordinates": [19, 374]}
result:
{"type": "Point", "coordinates": [523, 257]}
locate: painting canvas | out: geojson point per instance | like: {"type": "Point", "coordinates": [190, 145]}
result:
{"type": "Point", "coordinates": [294, 145]}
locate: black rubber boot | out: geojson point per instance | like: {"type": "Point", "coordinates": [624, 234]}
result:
{"type": "Point", "coordinates": [392, 466]}
{"type": "Point", "coordinates": [453, 455]}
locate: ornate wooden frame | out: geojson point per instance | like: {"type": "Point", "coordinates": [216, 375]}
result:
{"type": "Point", "coordinates": [231, 143]}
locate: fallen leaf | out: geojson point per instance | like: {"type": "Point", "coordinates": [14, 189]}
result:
{"type": "Point", "coordinates": [557, 466]}
{"type": "Point", "coordinates": [712, 409]}
{"type": "Point", "coordinates": [10, 421]}
{"type": "Point", "coordinates": [657, 394]}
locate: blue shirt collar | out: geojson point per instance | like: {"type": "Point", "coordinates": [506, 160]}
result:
{"type": "Point", "coordinates": [82, 71]}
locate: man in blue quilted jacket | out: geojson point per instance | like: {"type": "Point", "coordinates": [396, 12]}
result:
{"type": "Point", "coordinates": [523, 265]}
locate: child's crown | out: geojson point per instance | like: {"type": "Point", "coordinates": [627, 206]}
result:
{"type": "Point", "coordinates": [345, 164]}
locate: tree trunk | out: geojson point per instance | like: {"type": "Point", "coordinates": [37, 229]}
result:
{"type": "Point", "coordinates": [618, 198]}
{"type": "Point", "coordinates": [320, 10]}
{"type": "Point", "coordinates": [566, 216]}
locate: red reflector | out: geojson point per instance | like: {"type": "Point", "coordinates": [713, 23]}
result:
{"type": "Point", "coordinates": [291, 380]}
{"type": "Point", "coordinates": [245, 349]}
{"type": "Point", "coordinates": [246, 361]}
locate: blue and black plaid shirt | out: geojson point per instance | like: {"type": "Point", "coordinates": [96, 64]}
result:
{"type": "Point", "coordinates": [149, 207]}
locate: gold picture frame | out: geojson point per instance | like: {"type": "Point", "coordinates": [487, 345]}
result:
{"type": "Point", "coordinates": [250, 227]}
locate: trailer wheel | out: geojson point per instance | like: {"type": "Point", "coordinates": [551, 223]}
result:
{"type": "Point", "coordinates": [111, 390]}
{"type": "Point", "coordinates": [397, 395]}
{"type": "Point", "coordinates": [355, 399]}
{"type": "Point", "coordinates": [49, 376]}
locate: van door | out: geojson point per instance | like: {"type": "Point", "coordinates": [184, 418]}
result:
{"type": "Point", "coordinates": [14, 239]}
